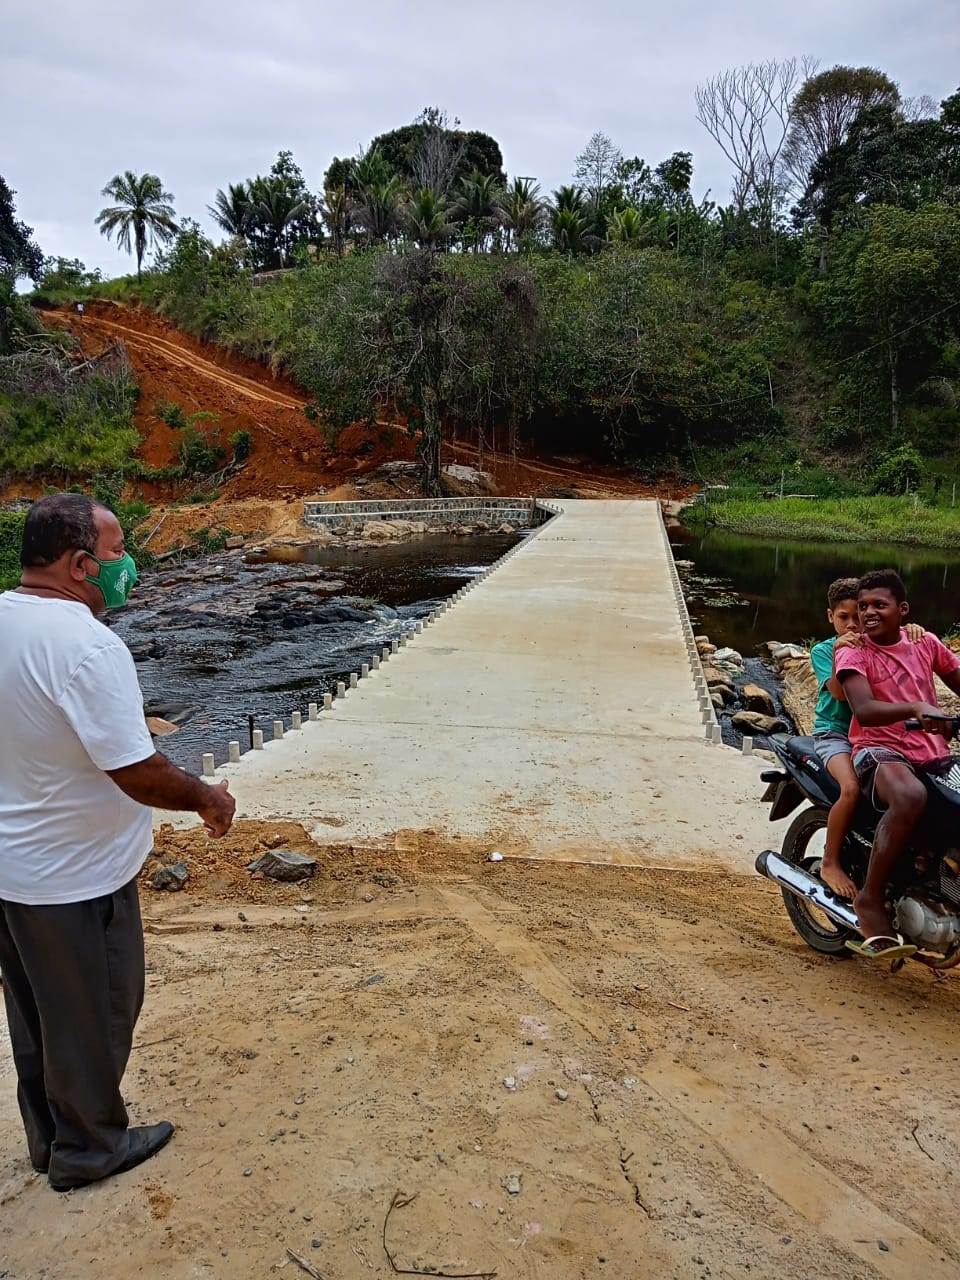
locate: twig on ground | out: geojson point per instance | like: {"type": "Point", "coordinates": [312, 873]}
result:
{"type": "Point", "coordinates": [155, 528]}
{"type": "Point", "coordinates": [150, 1043]}
{"type": "Point", "coordinates": [913, 1134]}
{"type": "Point", "coordinates": [305, 1265]}
{"type": "Point", "coordinates": [400, 1201]}
{"type": "Point", "coordinates": [674, 1005]}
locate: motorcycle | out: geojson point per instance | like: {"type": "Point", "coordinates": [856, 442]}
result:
{"type": "Point", "coordinates": [923, 897]}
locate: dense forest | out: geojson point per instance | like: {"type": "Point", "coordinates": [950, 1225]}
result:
{"type": "Point", "coordinates": [808, 326]}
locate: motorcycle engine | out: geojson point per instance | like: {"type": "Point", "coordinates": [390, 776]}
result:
{"type": "Point", "coordinates": [928, 923]}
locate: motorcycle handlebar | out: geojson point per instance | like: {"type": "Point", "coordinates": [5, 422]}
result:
{"type": "Point", "coordinates": [916, 725]}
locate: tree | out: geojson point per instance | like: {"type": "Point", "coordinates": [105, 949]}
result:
{"type": "Point", "coordinates": [596, 168]}
{"type": "Point", "coordinates": [377, 209]}
{"type": "Point", "coordinates": [520, 211]}
{"type": "Point", "coordinates": [747, 113]}
{"type": "Point", "coordinates": [425, 218]}
{"type": "Point", "coordinates": [19, 253]}
{"type": "Point", "coordinates": [337, 213]}
{"type": "Point", "coordinates": [822, 112]}
{"type": "Point", "coordinates": [894, 295]}
{"type": "Point", "coordinates": [477, 206]}
{"type": "Point", "coordinates": [569, 221]}
{"type": "Point", "coordinates": [231, 209]}
{"type": "Point", "coordinates": [442, 338]}
{"type": "Point", "coordinates": [420, 152]}
{"type": "Point", "coordinates": [142, 212]}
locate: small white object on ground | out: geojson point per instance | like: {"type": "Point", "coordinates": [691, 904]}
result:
{"type": "Point", "coordinates": [495, 857]}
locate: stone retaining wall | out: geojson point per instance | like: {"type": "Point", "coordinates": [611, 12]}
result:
{"type": "Point", "coordinates": [522, 513]}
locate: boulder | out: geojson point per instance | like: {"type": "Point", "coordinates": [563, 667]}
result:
{"type": "Point", "coordinates": [725, 692]}
{"type": "Point", "coordinates": [716, 697]}
{"type": "Point", "coordinates": [233, 542]}
{"type": "Point", "coordinates": [758, 699]}
{"type": "Point", "coordinates": [714, 675]}
{"type": "Point", "coordinates": [171, 878]}
{"type": "Point", "coordinates": [283, 864]}
{"type": "Point", "coordinates": [704, 647]}
{"type": "Point", "coordinates": [379, 531]}
{"type": "Point", "coordinates": [752, 722]}
{"type": "Point", "coordinates": [506, 528]}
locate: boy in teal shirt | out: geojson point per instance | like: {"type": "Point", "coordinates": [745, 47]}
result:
{"type": "Point", "coordinates": [831, 726]}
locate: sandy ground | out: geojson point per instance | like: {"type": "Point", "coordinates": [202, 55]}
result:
{"type": "Point", "coordinates": [731, 1105]}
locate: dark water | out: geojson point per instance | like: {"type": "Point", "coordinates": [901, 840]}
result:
{"type": "Point", "coordinates": [233, 636]}
{"type": "Point", "coordinates": [782, 586]}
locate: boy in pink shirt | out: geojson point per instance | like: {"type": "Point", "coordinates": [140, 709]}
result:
{"type": "Point", "coordinates": [887, 681]}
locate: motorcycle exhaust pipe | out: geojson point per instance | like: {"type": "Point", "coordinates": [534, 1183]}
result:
{"type": "Point", "coordinates": [789, 876]}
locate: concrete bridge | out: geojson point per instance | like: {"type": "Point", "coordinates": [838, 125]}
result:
{"type": "Point", "coordinates": [550, 711]}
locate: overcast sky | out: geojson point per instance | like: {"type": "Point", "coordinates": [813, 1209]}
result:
{"type": "Point", "coordinates": [205, 92]}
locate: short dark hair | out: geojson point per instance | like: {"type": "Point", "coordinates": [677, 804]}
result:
{"type": "Point", "coordinates": [842, 589]}
{"type": "Point", "coordinates": [885, 580]}
{"type": "Point", "coordinates": [55, 524]}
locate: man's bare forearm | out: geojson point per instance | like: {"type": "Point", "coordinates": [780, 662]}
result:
{"type": "Point", "coordinates": [161, 785]}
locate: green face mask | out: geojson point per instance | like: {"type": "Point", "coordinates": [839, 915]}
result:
{"type": "Point", "coordinates": [116, 579]}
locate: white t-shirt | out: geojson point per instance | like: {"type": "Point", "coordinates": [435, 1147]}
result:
{"type": "Point", "coordinates": [70, 708]}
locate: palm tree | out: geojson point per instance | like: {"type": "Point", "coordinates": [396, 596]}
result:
{"type": "Point", "coordinates": [569, 220]}
{"type": "Point", "coordinates": [520, 210]}
{"type": "Point", "coordinates": [336, 211]}
{"type": "Point", "coordinates": [425, 218]}
{"type": "Point", "coordinates": [626, 226]}
{"type": "Point", "coordinates": [477, 205]}
{"type": "Point", "coordinates": [231, 209]}
{"type": "Point", "coordinates": [142, 210]}
{"type": "Point", "coordinates": [274, 208]}
{"type": "Point", "coordinates": [377, 208]}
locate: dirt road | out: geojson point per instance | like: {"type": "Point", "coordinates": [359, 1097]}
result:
{"type": "Point", "coordinates": [680, 1088]}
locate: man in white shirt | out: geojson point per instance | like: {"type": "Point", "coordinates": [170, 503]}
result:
{"type": "Point", "coordinates": [78, 774]}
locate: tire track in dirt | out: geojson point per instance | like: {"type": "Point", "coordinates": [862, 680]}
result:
{"type": "Point", "coordinates": [704, 1115]}
{"type": "Point", "coordinates": [176, 355]}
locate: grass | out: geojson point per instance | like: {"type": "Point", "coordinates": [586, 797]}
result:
{"type": "Point", "coordinates": [900, 520]}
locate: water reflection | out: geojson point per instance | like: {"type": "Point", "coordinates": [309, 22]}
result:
{"type": "Point", "coordinates": [785, 583]}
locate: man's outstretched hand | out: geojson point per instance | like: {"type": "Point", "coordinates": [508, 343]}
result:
{"type": "Point", "coordinates": [217, 812]}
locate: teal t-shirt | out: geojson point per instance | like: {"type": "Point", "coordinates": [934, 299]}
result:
{"type": "Point", "coordinates": [832, 715]}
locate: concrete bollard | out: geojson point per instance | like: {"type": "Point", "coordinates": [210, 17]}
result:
{"type": "Point", "coordinates": [364, 670]}
{"type": "Point", "coordinates": [706, 716]}
{"type": "Point", "coordinates": [403, 641]}
{"type": "Point", "coordinates": [747, 746]}
{"type": "Point", "coordinates": [708, 732]}
{"type": "Point", "coordinates": [354, 679]}
{"type": "Point", "coordinates": [418, 626]}
{"type": "Point", "coordinates": [313, 712]}
{"type": "Point", "coordinates": [208, 765]}
{"type": "Point", "coordinates": [327, 701]}
{"type": "Point", "coordinates": [716, 734]}
{"type": "Point", "coordinates": [341, 689]}
{"type": "Point", "coordinates": [296, 720]}
{"type": "Point", "coordinates": [234, 752]}
{"type": "Point", "coordinates": [386, 653]}
{"type": "Point", "coordinates": [376, 662]}
{"type": "Point", "coordinates": [394, 646]}
{"type": "Point", "coordinates": [258, 739]}
{"type": "Point", "coordinates": [277, 730]}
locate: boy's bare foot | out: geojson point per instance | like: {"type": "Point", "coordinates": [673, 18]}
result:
{"type": "Point", "coordinates": [871, 919]}
{"type": "Point", "coordinates": [836, 879]}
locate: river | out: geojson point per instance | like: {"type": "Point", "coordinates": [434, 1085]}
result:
{"type": "Point", "coordinates": [743, 591]}
{"type": "Point", "coordinates": [238, 635]}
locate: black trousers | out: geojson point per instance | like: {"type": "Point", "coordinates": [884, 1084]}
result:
{"type": "Point", "coordinates": [73, 978]}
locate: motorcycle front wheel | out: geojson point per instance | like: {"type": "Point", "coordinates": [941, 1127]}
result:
{"type": "Point", "coordinates": [803, 846]}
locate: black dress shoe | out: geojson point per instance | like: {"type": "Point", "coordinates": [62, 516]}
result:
{"type": "Point", "coordinates": [145, 1141]}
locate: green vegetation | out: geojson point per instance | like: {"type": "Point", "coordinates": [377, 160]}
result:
{"type": "Point", "coordinates": [11, 535]}
{"type": "Point", "coordinates": [802, 338]}
{"type": "Point", "coordinates": [907, 520]}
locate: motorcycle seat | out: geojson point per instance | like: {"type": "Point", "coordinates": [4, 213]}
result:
{"type": "Point", "coordinates": [799, 748]}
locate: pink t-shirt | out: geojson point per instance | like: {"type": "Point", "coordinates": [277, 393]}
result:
{"type": "Point", "coordinates": [901, 672]}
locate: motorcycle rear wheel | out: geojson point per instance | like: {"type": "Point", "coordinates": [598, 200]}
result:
{"type": "Point", "coordinates": [813, 925]}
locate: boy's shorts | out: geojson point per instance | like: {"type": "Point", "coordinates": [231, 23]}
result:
{"type": "Point", "coordinates": [829, 743]}
{"type": "Point", "coordinates": [868, 760]}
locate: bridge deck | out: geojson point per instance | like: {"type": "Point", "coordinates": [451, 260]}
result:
{"type": "Point", "coordinates": [551, 713]}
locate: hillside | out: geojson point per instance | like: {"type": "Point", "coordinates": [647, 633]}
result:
{"type": "Point", "coordinates": [289, 457]}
